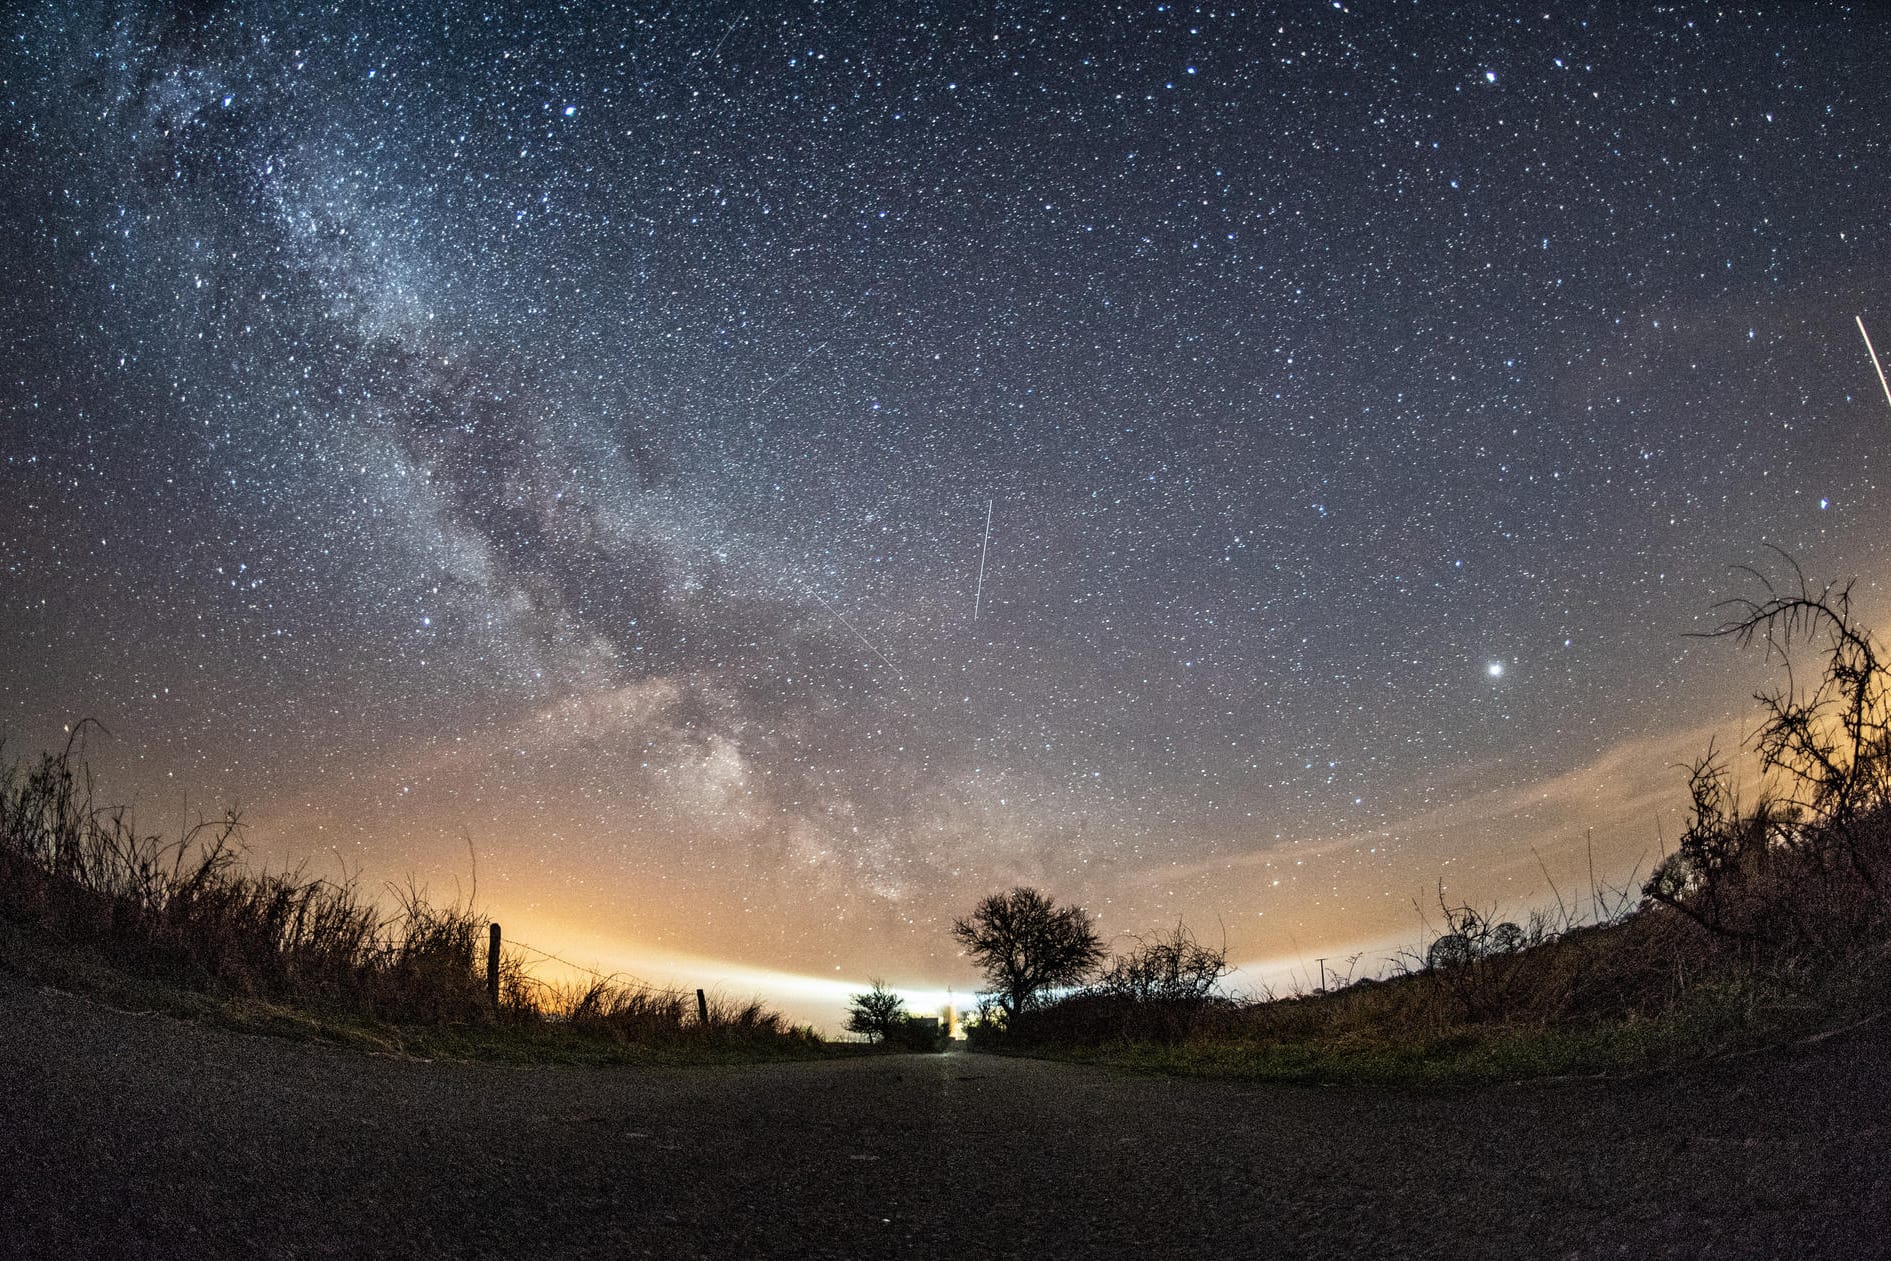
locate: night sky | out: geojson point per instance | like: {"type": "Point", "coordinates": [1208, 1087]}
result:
{"type": "Point", "coordinates": [573, 430]}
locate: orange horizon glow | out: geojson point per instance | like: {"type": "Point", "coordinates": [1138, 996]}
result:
{"type": "Point", "coordinates": [1509, 851]}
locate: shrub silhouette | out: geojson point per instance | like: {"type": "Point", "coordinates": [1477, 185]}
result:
{"type": "Point", "coordinates": [1803, 869]}
{"type": "Point", "coordinates": [1175, 968]}
{"type": "Point", "coordinates": [876, 1013]}
{"type": "Point", "coordinates": [1473, 962]}
{"type": "Point", "coordinates": [1156, 991]}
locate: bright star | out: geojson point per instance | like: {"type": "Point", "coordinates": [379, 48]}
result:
{"type": "Point", "coordinates": [1495, 669]}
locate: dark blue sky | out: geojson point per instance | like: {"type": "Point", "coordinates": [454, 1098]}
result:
{"type": "Point", "coordinates": [576, 426]}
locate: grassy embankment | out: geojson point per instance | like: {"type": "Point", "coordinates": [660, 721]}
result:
{"type": "Point", "coordinates": [188, 926]}
{"type": "Point", "coordinates": [1770, 922]}
{"type": "Point", "coordinates": [1646, 991]}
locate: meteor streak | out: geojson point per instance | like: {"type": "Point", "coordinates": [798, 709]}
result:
{"type": "Point", "coordinates": [856, 630]}
{"type": "Point", "coordinates": [983, 548]}
{"type": "Point", "coordinates": [798, 365]}
{"type": "Point", "coordinates": [1882, 384]}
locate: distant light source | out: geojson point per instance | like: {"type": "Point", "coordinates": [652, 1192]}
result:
{"type": "Point", "coordinates": [1495, 669]}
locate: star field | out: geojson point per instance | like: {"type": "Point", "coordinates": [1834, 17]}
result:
{"type": "Point", "coordinates": [573, 429]}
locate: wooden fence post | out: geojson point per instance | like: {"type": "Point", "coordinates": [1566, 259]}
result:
{"type": "Point", "coordinates": [492, 967]}
{"type": "Point", "coordinates": [702, 1008]}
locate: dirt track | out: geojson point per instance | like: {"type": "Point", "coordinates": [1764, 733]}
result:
{"type": "Point", "coordinates": [130, 1135]}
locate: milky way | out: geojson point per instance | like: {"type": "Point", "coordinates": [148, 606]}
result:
{"type": "Point", "coordinates": [573, 431]}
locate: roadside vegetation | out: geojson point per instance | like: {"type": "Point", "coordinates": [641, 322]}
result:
{"type": "Point", "coordinates": [186, 924]}
{"type": "Point", "coordinates": [1770, 921]}
{"type": "Point", "coordinates": [880, 1016]}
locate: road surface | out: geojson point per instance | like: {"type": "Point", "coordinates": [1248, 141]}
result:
{"type": "Point", "coordinates": [141, 1135]}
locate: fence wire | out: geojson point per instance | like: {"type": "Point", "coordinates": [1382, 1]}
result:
{"type": "Point", "coordinates": [614, 978]}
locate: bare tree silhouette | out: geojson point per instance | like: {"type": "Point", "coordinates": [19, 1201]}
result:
{"type": "Point", "coordinates": [1026, 944]}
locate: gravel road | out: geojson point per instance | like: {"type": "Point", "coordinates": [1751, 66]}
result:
{"type": "Point", "coordinates": [141, 1135]}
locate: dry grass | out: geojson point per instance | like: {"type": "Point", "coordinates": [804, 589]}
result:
{"type": "Point", "coordinates": [627, 1012]}
{"type": "Point", "coordinates": [1650, 984]}
{"type": "Point", "coordinates": [80, 882]}
{"type": "Point", "coordinates": [1651, 988]}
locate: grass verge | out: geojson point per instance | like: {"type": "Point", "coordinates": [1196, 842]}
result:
{"type": "Point", "coordinates": [186, 926]}
{"type": "Point", "coordinates": [1710, 1025]}
{"type": "Point", "coordinates": [1649, 991]}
